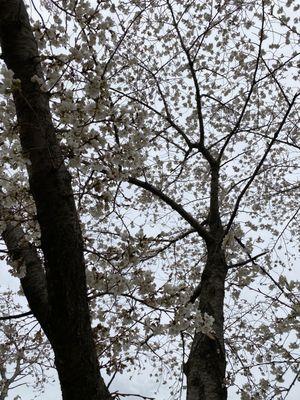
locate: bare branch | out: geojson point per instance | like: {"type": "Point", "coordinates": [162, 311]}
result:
{"type": "Point", "coordinates": [251, 259]}
{"type": "Point", "coordinates": [9, 317]}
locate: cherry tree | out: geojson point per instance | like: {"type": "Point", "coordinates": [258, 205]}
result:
{"type": "Point", "coordinates": [161, 193]}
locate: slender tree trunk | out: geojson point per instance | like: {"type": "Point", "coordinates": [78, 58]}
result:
{"type": "Point", "coordinates": [205, 368]}
{"type": "Point", "coordinates": [68, 324]}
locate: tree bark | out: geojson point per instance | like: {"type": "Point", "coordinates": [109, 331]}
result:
{"type": "Point", "coordinates": [34, 282]}
{"type": "Point", "coordinates": [68, 325]}
{"type": "Point", "coordinates": [205, 368]}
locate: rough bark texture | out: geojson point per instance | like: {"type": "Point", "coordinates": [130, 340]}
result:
{"type": "Point", "coordinates": [34, 282]}
{"type": "Point", "coordinates": [205, 368]}
{"type": "Point", "coordinates": [68, 323]}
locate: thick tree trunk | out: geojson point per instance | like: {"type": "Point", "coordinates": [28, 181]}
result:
{"type": "Point", "coordinates": [68, 324]}
{"type": "Point", "coordinates": [205, 368]}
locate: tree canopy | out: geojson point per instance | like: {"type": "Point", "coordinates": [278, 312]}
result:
{"type": "Point", "coordinates": [150, 174]}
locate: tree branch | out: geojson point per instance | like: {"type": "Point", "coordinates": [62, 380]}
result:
{"type": "Point", "coordinates": [9, 317]}
{"type": "Point", "coordinates": [174, 205]}
{"type": "Point", "coordinates": [259, 165]}
{"type": "Point", "coordinates": [250, 259]}
{"type": "Point", "coordinates": [34, 282]}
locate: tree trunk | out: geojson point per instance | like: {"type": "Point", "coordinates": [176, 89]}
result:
{"type": "Point", "coordinates": [205, 368]}
{"type": "Point", "coordinates": [68, 323]}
